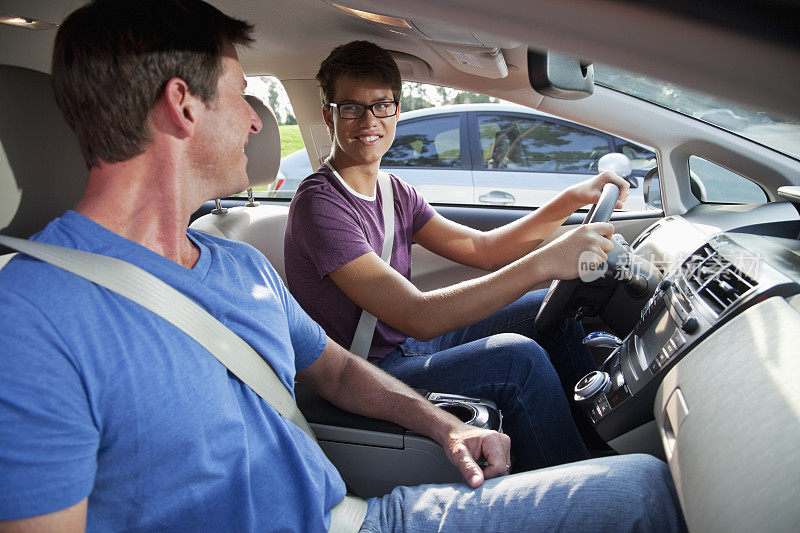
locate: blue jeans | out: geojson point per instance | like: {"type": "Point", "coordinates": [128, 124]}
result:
{"type": "Point", "coordinates": [621, 493]}
{"type": "Point", "coordinates": [498, 359]}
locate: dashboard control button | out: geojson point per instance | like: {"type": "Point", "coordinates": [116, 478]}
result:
{"type": "Point", "coordinates": [591, 385]}
{"type": "Point", "coordinates": [654, 366]}
{"type": "Point", "coordinates": [603, 406]}
{"type": "Point", "coordinates": [669, 348]}
{"type": "Point", "coordinates": [678, 339]}
{"type": "Point", "coordinates": [690, 325]}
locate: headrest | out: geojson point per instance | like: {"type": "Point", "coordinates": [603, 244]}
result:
{"type": "Point", "coordinates": [42, 173]}
{"type": "Point", "coordinates": [264, 148]}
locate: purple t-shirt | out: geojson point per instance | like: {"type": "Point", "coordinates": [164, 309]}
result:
{"type": "Point", "coordinates": [330, 225]}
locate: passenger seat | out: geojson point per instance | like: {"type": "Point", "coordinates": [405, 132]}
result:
{"type": "Point", "coordinates": [42, 173]}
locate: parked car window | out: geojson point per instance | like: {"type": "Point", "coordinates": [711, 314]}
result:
{"type": "Point", "coordinates": [513, 142]}
{"type": "Point", "coordinates": [641, 158]}
{"type": "Point", "coordinates": [432, 142]}
{"type": "Point", "coordinates": [715, 184]}
{"type": "Point", "coordinates": [431, 153]}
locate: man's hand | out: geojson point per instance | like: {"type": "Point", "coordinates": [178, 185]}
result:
{"type": "Point", "coordinates": [588, 192]}
{"type": "Point", "coordinates": [586, 243]}
{"type": "Point", "coordinates": [466, 445]}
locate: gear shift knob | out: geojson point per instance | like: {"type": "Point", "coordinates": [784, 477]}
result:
{"type": "Point", "coordinates": [601, 339]}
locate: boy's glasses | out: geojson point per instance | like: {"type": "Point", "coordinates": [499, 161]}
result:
{"type": "Point", "coordinates": [379, 109]}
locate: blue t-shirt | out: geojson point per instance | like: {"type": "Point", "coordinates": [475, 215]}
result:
{"type": "Point", "coordinates": [101, 398]}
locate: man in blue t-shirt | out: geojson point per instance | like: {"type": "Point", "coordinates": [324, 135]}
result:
{"type": "Point", "coordinates": [112, 419]}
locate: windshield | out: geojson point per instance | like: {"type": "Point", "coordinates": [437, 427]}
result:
{"type": "Point", "coordinates": [779, 133]}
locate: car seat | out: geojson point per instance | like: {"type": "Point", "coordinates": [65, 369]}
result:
{"type": "Point", "coordinates": [42, 173]}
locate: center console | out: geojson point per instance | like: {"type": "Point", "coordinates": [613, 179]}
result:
{"type": "Point", "coordinates": [726, 275]}
{"type": "Point", "coordinates": [373, 456]}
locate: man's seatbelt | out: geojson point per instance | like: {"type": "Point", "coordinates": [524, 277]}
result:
{"type": "Point", "coordinates": [182, 312]}
{"type": "Point", "coordinates": [365, 330]}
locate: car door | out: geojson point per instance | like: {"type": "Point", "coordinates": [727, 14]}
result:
{"type": "Point", "coordinates": [432, 153]}
{"type": "Point", "coordinates": [521, 159]}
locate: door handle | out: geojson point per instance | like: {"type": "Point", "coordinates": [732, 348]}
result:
{"type": "Point", "coordinates": [497, 198]}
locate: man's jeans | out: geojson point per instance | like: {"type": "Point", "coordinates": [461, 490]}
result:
{"type": "Point", "coordinates": [498, 359]}
{"type": "Point", "coordinates": [621, 493]}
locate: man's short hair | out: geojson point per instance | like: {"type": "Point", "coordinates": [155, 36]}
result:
{"type": "Point", "coordinates": [113, 58]}
{"type": "Point", "coordinates": [360, 60]}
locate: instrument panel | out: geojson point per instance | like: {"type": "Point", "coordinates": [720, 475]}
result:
{"type": "Point", "coordinates": [729, 273]}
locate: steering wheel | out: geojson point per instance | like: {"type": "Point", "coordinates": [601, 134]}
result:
{"type": "Point", "coordinates": [561, 290]}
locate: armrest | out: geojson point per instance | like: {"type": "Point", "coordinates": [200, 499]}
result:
{"type": "Point", "coordinates": [320, 411]}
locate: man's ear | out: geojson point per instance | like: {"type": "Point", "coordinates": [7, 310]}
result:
{"type": "Point", "coordinates": [181, 106]}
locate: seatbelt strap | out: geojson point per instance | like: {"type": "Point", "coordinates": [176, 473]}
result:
{"type": "Point", "coordinates": [143, 288]}
{"type": "Point", "coordinates": [365, 330]}
{"type": "Point", "coordinates": [5, 258]}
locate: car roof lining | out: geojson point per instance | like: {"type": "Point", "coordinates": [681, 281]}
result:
{"type": "Point", "coordinates": [667, 45]}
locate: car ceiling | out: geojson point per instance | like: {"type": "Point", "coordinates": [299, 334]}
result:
{"type": "Point", "coordinates": [709, 53]}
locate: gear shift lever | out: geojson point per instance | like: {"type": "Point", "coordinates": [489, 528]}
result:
{"type": "Point", "coordinates": [601, 339]}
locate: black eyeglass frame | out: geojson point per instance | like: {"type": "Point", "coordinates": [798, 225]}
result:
{"type": "Point", "coordinates": [364, 108]}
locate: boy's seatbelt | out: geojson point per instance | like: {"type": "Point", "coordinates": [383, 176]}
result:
{"type": "Point", "coordinates": [365, 330]}
{"type": "Point", "coordinates": [182, 312]}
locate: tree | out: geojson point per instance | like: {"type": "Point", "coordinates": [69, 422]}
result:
{"type": "Point", "coordinates": [420, 96]}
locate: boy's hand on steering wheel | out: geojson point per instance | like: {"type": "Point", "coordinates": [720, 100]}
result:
{"type": "Point", "coordinates": [588, 192]}
{"type": "Point", "coordinates": [589, 242]}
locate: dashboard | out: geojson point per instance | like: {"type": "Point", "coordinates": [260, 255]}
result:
{"type": "Point", "coordinates": [710, 369]}
{"type": "Point", "coordinates": [725, 276]}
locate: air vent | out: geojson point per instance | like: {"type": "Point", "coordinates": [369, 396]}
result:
{"type": "Point", "coordinates": [714, 279]}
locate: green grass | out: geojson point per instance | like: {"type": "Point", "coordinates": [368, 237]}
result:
{"type": "Point", "coordinates": [291, 141]}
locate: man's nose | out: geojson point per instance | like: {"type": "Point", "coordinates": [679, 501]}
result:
{"type": "Point", "coordinates": [255, 121]}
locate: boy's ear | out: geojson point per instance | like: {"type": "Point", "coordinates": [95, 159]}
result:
{"type": "Point", "coordinates": [327, 116]}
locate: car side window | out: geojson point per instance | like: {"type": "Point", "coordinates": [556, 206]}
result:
{"type": "Point", "coordinates": [715, 184]}
{"type": "Point", "coordinates": [513, 142]}
{"type": "Point", "coordinates": [427, 142]}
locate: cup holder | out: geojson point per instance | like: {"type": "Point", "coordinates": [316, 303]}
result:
{"type": "Point", "coordinates": [477, 412]}
{"type": "Point", "coordinates": [465, 412]}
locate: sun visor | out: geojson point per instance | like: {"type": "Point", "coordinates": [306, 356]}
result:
{"type": "Point", "coordinates": [411, 67]}
{"type": "Point", "coordinates": [479, 61]}
{"type": "Point", "coordinates": [559, 76]}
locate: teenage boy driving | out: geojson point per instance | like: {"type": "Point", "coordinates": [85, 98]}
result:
{"type": "Point", "coordinates": [475, 338]}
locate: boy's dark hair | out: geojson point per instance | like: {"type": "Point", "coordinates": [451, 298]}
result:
{"type": "Point", "coordinates": [359, 60]}
{"type": "Point", "coordinates": [112, 59]}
